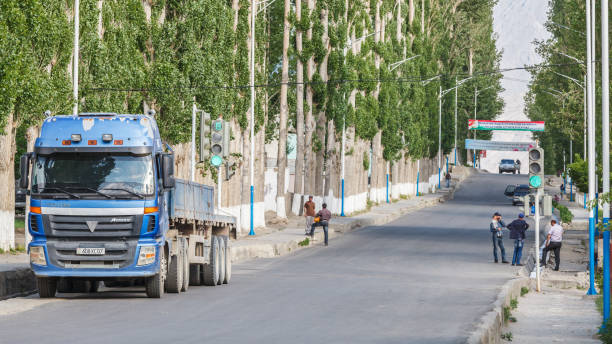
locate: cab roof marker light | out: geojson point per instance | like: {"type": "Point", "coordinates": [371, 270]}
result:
{"type": "Point", "coordinates": [75, 137]}
{"type": "Point", "coordinates": [107, 137]}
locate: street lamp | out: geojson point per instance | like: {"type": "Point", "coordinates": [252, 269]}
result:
{"type": "Point", "coordinates": [440, 95]}
{"type": "Point", "coordinates": [476, 93]}
{"type": "Point", "coordinates": [399, 63]}
{"type": "Point", "coordinates": [348, 45]}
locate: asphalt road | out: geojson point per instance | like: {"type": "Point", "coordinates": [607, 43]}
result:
{"type": "Point", "coordinates": [425, 278]}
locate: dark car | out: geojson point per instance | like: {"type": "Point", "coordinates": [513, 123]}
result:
{"type": "Point", "coordinates": [20, 196]}
{"type": "Point", "coordinates": [517, 192]}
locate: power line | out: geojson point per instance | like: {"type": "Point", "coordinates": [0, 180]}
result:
{"type": "Point", "coordinates": [409, 79]}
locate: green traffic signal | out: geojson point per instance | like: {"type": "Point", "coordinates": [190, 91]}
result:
{"type": "Point", "coordinates": [535, 181]}
{"type": "Point", "coordinates": [216, 160]}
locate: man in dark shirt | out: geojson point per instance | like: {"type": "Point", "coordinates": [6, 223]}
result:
{"type": "Point", "coordinates": [309, 214]}
{"type": "Point", "coordinates": [517, 232]}
{"type": "Point", "coordinates": [324, 216]}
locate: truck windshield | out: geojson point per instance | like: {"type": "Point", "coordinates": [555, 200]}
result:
{"type": "Point", "coordinates": [97, 173]}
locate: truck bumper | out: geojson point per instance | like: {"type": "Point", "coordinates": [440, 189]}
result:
{"type": "Point", "coordinates": [132, 269]}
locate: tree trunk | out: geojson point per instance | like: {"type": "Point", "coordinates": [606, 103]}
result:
{"type": "Point", "coordinates": [322, 118]}
{"type": "Point", "coordinates": [284, 114]}
{"type": "Point", "coordinates": [298, 190]}
{"type": "Point", "coordinates": [422, 16]}
{"type": "Point", "coordinates": [31, 134]}
{"type": "Point", "coordinates": [7, 186]}
{"type": "Point", "coordinates": [309, 162]}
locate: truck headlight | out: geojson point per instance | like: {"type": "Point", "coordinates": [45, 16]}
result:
{"type": "Point", "coordinates": [37, 255]}
{"type": "Point", "coordinates": [146, 255]}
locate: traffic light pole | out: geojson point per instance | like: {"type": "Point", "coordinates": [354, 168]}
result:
{"type": "Point", "coordinates": [537, 239]}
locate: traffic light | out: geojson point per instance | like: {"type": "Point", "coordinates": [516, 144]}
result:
{"type": "Point", "coordinates": [536, 167]}
{"type": "Point", "coordinates": [219, 138]}
{"type": "Point", "coordinates": [204, 136]}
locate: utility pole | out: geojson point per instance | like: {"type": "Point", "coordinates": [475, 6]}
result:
{"type": "Point", "coordinates": [605, 128]}
{"type": "Point", "coordinates": [439, 136]}
{"type": "Point", "coordinates": [252, 80]}
{"type": "Point", "coordinates": [194, 110]}
{"type": "Point", "coordinates": [75, 61]}
{"type": "Point", "coordinates": [475, 118]}
{"type": "Point", "coordinates": [456, 95]}
{"type": "Point", "coordinates": [591, 151]}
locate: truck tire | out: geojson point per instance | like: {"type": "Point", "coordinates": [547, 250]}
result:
{"type": "Point", "coordinates": [47, 287]}
{"type": "Point", "coordinates": [95, 285]}
{"type": "Point", "coordinates": [174, 283]}
{"type": "Point", "coordinates": [211, 270]}
{"type": "Point", "coordinates": [154, 285]}
{"type": "Point", "coordinates": [185, 270]}
{"type": "Point", "coordinates": [221, 260]}
{"type": "Point", "coordinates": [228, 261]}
{"type": "Point", "coordinates": [81, 286]}
{"type": "Point", "coordinates": [195, 274]}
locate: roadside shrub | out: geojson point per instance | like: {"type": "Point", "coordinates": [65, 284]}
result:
{"type": "Point", "coordinates": [566, 214]}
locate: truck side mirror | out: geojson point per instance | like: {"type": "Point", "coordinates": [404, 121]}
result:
{"type": "Point", "coordinates": [168, 171]}
{"type": "Point", "coordinates": [24, 167]}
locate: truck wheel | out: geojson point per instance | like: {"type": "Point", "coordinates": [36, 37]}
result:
{"type": "Point", "coordinates": [221, 261]}
{"type": "Point", "coordinates": [211, 270]}
{"type": "Point", "coordinates": [47, 287]}
{"type": "Point", "coordinates": [185, 270]}
{"type": "Point", "coordinates": [80, 286]}
{"type": "Point", "coordinates": [195, 274]}
{"type": "Point", "coordinates": [228, 261]}
{"type": "Point", "coordinates": [154, 285]}
{"type": "Point", "coordinates": [95, 285]}
{"type": "Point", "coordinates": [175, 274]}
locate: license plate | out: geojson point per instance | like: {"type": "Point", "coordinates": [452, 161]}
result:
{"type": "Point", "coordinates": [90, 251]}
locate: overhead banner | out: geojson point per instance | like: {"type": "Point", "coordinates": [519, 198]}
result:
{"type": "Point", "coordinates": [475, 124]}
{"type": "Point", "coordinates": [498, 145]}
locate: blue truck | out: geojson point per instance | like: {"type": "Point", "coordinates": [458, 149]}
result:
{"type": "Point", "coordinates": [105, 207]}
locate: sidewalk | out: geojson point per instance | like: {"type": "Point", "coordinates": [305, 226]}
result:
{"type": "Point", "coordinates": [561, 312]}
{"type": "Point", "coordinates": [16, 277]}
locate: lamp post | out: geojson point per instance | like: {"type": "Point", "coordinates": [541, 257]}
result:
{"type": "Point", "coordinates": [252, 110]}
{"type": "Point", "coordinates": [476, 93]}
{"type": "Point", "coordinates": [591, 150]}
{"type": "Point", "coordinates": [440, 95]}
{"type": "Point", "coordinates": [605, 117]}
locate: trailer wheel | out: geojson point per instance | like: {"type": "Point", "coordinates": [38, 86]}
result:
{"type": "Point", "coordinates": [154, 285]}
{"type": "Point", "coordinates": [211, 270]}
{"type": "Point", "coordinates": [228, 261]}
{"type": "Point", "coordinates": [175, 274]}
{"type": "Point", "coordinates": [195, 274]}
{"type": "Point", "coordinates": [185, 269]}
{"type": "Point", "coordinates": [47, 287]}
{"type": "Point", "coordinates": [221, 260]}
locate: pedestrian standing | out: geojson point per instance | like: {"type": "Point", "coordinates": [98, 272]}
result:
{"type": "Point", "coordinates": [497, 236]}
{"type": "Point", "coordinates": [517, 232]}
{"type": "Point", "coordinates": [448, 179]}
{"type": "Point", "coordinates": [553, 243]}
{"type": "Point", "coordinates": [309, 214]}
{"type": "Point", "coordinates": [324, 217]}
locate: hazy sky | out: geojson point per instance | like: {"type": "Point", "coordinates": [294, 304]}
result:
{"type": "Point", "coordinates": [517, 23]}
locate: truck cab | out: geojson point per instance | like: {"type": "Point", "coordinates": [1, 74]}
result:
{"type": "Point", "coordinates": [101, 188]}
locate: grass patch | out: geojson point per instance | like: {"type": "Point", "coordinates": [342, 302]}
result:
{"type": "Point", "coordinates": [403, 196]}
{"type": "Point", "coordinates": [513, 303]}
{"type": "Point", "coordinates": [566, 214]}
{"type": "Point", "coordinates": [507, 336]}
{"type": "Point", "coordinates": [512, 319]}
{"type": "Point", "coordinates": [17, 250]}
{"type": "Point", "coordinates": [524, 291]}
{"type": "Point", "coordinates": [304, 242]}
{"type": "Point", "coordinates": [19, 222]}
{"type": "Point", "coordinates": [507, 314]}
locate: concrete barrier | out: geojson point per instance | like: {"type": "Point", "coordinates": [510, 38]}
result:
{"type": "Point", "coordinates": [17, 282]}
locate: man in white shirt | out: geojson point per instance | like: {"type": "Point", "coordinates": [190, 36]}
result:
{"type": "Point", "coordinates": [553, 243]}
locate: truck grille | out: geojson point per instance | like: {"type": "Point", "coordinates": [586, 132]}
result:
{"type": "Point", "coordinates": [92, 226]}
{"type": "Point", "coordinates": [118, 254]}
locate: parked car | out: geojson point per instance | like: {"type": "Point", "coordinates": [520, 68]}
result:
{"type": "Point", "coordinates": [20, 196]}
{"type": "Point", "coordinates": [507, 165]}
